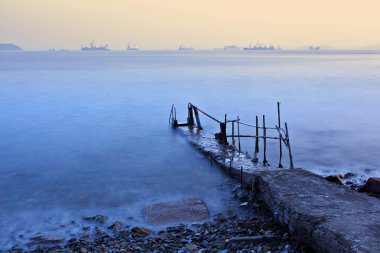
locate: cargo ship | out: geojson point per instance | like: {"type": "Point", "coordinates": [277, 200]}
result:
{"type": "Point", "coordinates": [93, 47]}
{"type": "Point", "coordinates": [183, 48]}
{"type": "Point", "coordinates": [314, 48]}
{"type": "Point", "coordinates": [260, 46]}
{"type": "Point", "coordinates": [132, 47]}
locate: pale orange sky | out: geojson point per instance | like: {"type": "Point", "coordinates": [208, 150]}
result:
{"type": "Point", "coordinates": [203, 24]}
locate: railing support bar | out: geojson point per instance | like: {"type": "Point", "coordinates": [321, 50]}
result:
{"type": "Point", "coordinates": [255, 154]}
{"type": "Point", "coordinates": [190, 117]}
{"type": "Point", "coordinates": [238, 125]}
{"type": "Point", "coordinates": [265, 162]}
{"type": "Point", "coordinates": [279, 126]}
{"type": "Point", "coordinates": [289, 149]}
{"type": "Point", "coordinates": [233, 134]}
{"type": "Point", "coordinates": [197, 118]}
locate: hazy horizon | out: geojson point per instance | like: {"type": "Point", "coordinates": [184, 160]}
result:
{"type": "Point", "coordinates": [44, 24]}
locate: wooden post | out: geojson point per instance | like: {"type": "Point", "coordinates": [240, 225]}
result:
{"type": "Point", "coordinates": [197, 119]}
{"type": "Point", "coordinates": [173, 116]}
{"type": "Point", "coordinates": [190, 118]}
{"type": "Point", "coordinates": [223, 131]}
{"type": "Point", "coordinates": [233, 134]}
{"type": "Point", "coordinates": [255, 154]}
{"type": "Point", "coordinates": [289, 149]}
{"type": "Point", "coordinates": [279, 126]}
{"type": "Point", "coordinates": [265, 162]}
{"type": "Point", "coordinates": [238, 125]}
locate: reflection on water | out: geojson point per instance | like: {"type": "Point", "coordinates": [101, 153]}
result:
{"type": "Point", "coordinates": [84, 133]}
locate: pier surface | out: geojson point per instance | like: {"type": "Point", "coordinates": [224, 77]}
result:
{"type": "Point", "coordinates": [323, 215]}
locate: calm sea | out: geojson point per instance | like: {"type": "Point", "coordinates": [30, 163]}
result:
{"type": "Point", "coordinates": [83, 133]}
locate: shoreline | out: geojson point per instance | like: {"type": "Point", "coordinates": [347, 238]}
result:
{"type": "Point", "coordinates": [249, 227]}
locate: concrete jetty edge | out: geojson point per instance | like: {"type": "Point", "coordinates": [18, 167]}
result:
{"type": "Point", "coordinates": [325, 216]}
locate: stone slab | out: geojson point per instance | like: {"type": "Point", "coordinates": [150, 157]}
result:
{"type": "Point", "coordinates": [187, 210]}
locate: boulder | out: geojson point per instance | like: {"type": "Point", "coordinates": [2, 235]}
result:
{"type": "Point", "coordinates": [349, 175]}
{"type": "Point", "coordinates": [188, 210]}
{"type": "Point", "coordinates": [98, 218]}
{"type": "Point", "coordinates": [337, 179]}
{"type": "Point", "coordinates": [140, 231]}
{"type": "Point", "coordinates": [42, 239]}
{"type": "Point", "coordinates": [115, 226]}
{"type": "Point", "coordinates": [372, 185]}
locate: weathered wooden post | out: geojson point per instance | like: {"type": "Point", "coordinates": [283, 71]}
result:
{"type": "Point", "coordinates": [233, 134]}
{"type": "Point", "coordinates": [190, 118]}
{"type": "Point", "coordinates": [255, 154]}
{"type": "Point", "coordinates": [289, 149]}
{"type": "Point", "coordinates": [238, 125]}
{"type": "Point", "coordinates": [280, 136]}
{"type": "Point", "coordinates": [173, 116]}
{"type": "Point", "coordinates": [265, 162]}
{"type": "Point", "coordinates": [222, 136]}
{"type": "Point", "coordinates": [197, 118]}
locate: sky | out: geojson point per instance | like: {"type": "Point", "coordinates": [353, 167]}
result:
{"type": "Point", "coordinates": [203, 24]}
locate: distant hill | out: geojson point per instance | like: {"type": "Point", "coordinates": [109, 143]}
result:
{"type": "Point", "coordinates": [9, 47]}
{"type": "Point", "coordinates": [371, 47]}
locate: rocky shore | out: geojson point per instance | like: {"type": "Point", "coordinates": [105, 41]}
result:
{"type": "Point", "coordinates": [371, 186]}
{"type": "Point", "coordinates": [248, 228]}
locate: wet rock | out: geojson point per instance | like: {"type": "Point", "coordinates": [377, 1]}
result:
{"type": "Point", "coordinates": [372, 185]}
{"type": "Point", "coordinates": [204, 243]}
{"type": "Point", "coordinates": [191, 246]}
{"type": "Point", "coordinates": [42, 239]}
{"type": "Point", "coordinates": [255, 239]}
{"type": "Point", "coordinates": [349, 175]}
{"type": "Point", "coordinates": [220, 245]}
{"type": "Point", "coordinates": [115, 226]}
{"type": "Point", "coordinates": [98, 218]}
{"type": "Point", "coordinates": [220, 219]}
{"type": "Point", "coordinates": [241, 194]}
{"type": "Point", "coordinates": [188, 210]}
{"type": "Point", "coordinates": [72, 241]}
{"type": "Point", "coordinates": [140, 231]}
{"type": "Point", "coordinates": [337, 179]}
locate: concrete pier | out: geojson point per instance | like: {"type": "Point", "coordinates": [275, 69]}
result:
{"type": "Point", "coordinates": [325, 216]}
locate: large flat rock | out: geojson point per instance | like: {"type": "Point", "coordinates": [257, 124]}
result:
{"type": "Point", "coordinates": [188, 210]}
{"type": "Point", "coordinates": [326, 216]}
{"type": "Point", "coordinates": [349, 233]}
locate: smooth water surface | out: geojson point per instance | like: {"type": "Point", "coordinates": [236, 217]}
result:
{"type": "Point", "coordinates": [84, 133]}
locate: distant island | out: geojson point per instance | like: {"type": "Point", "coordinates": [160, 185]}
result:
{"type": "Point", "coordinates": [10, 47]}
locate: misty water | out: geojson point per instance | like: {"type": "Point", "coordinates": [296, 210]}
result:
{"type": "Point", "coordinates": [87, 133]}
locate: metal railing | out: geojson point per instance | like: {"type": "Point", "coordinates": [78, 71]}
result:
{"type": "Point", "coordinates": [280, 133]}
